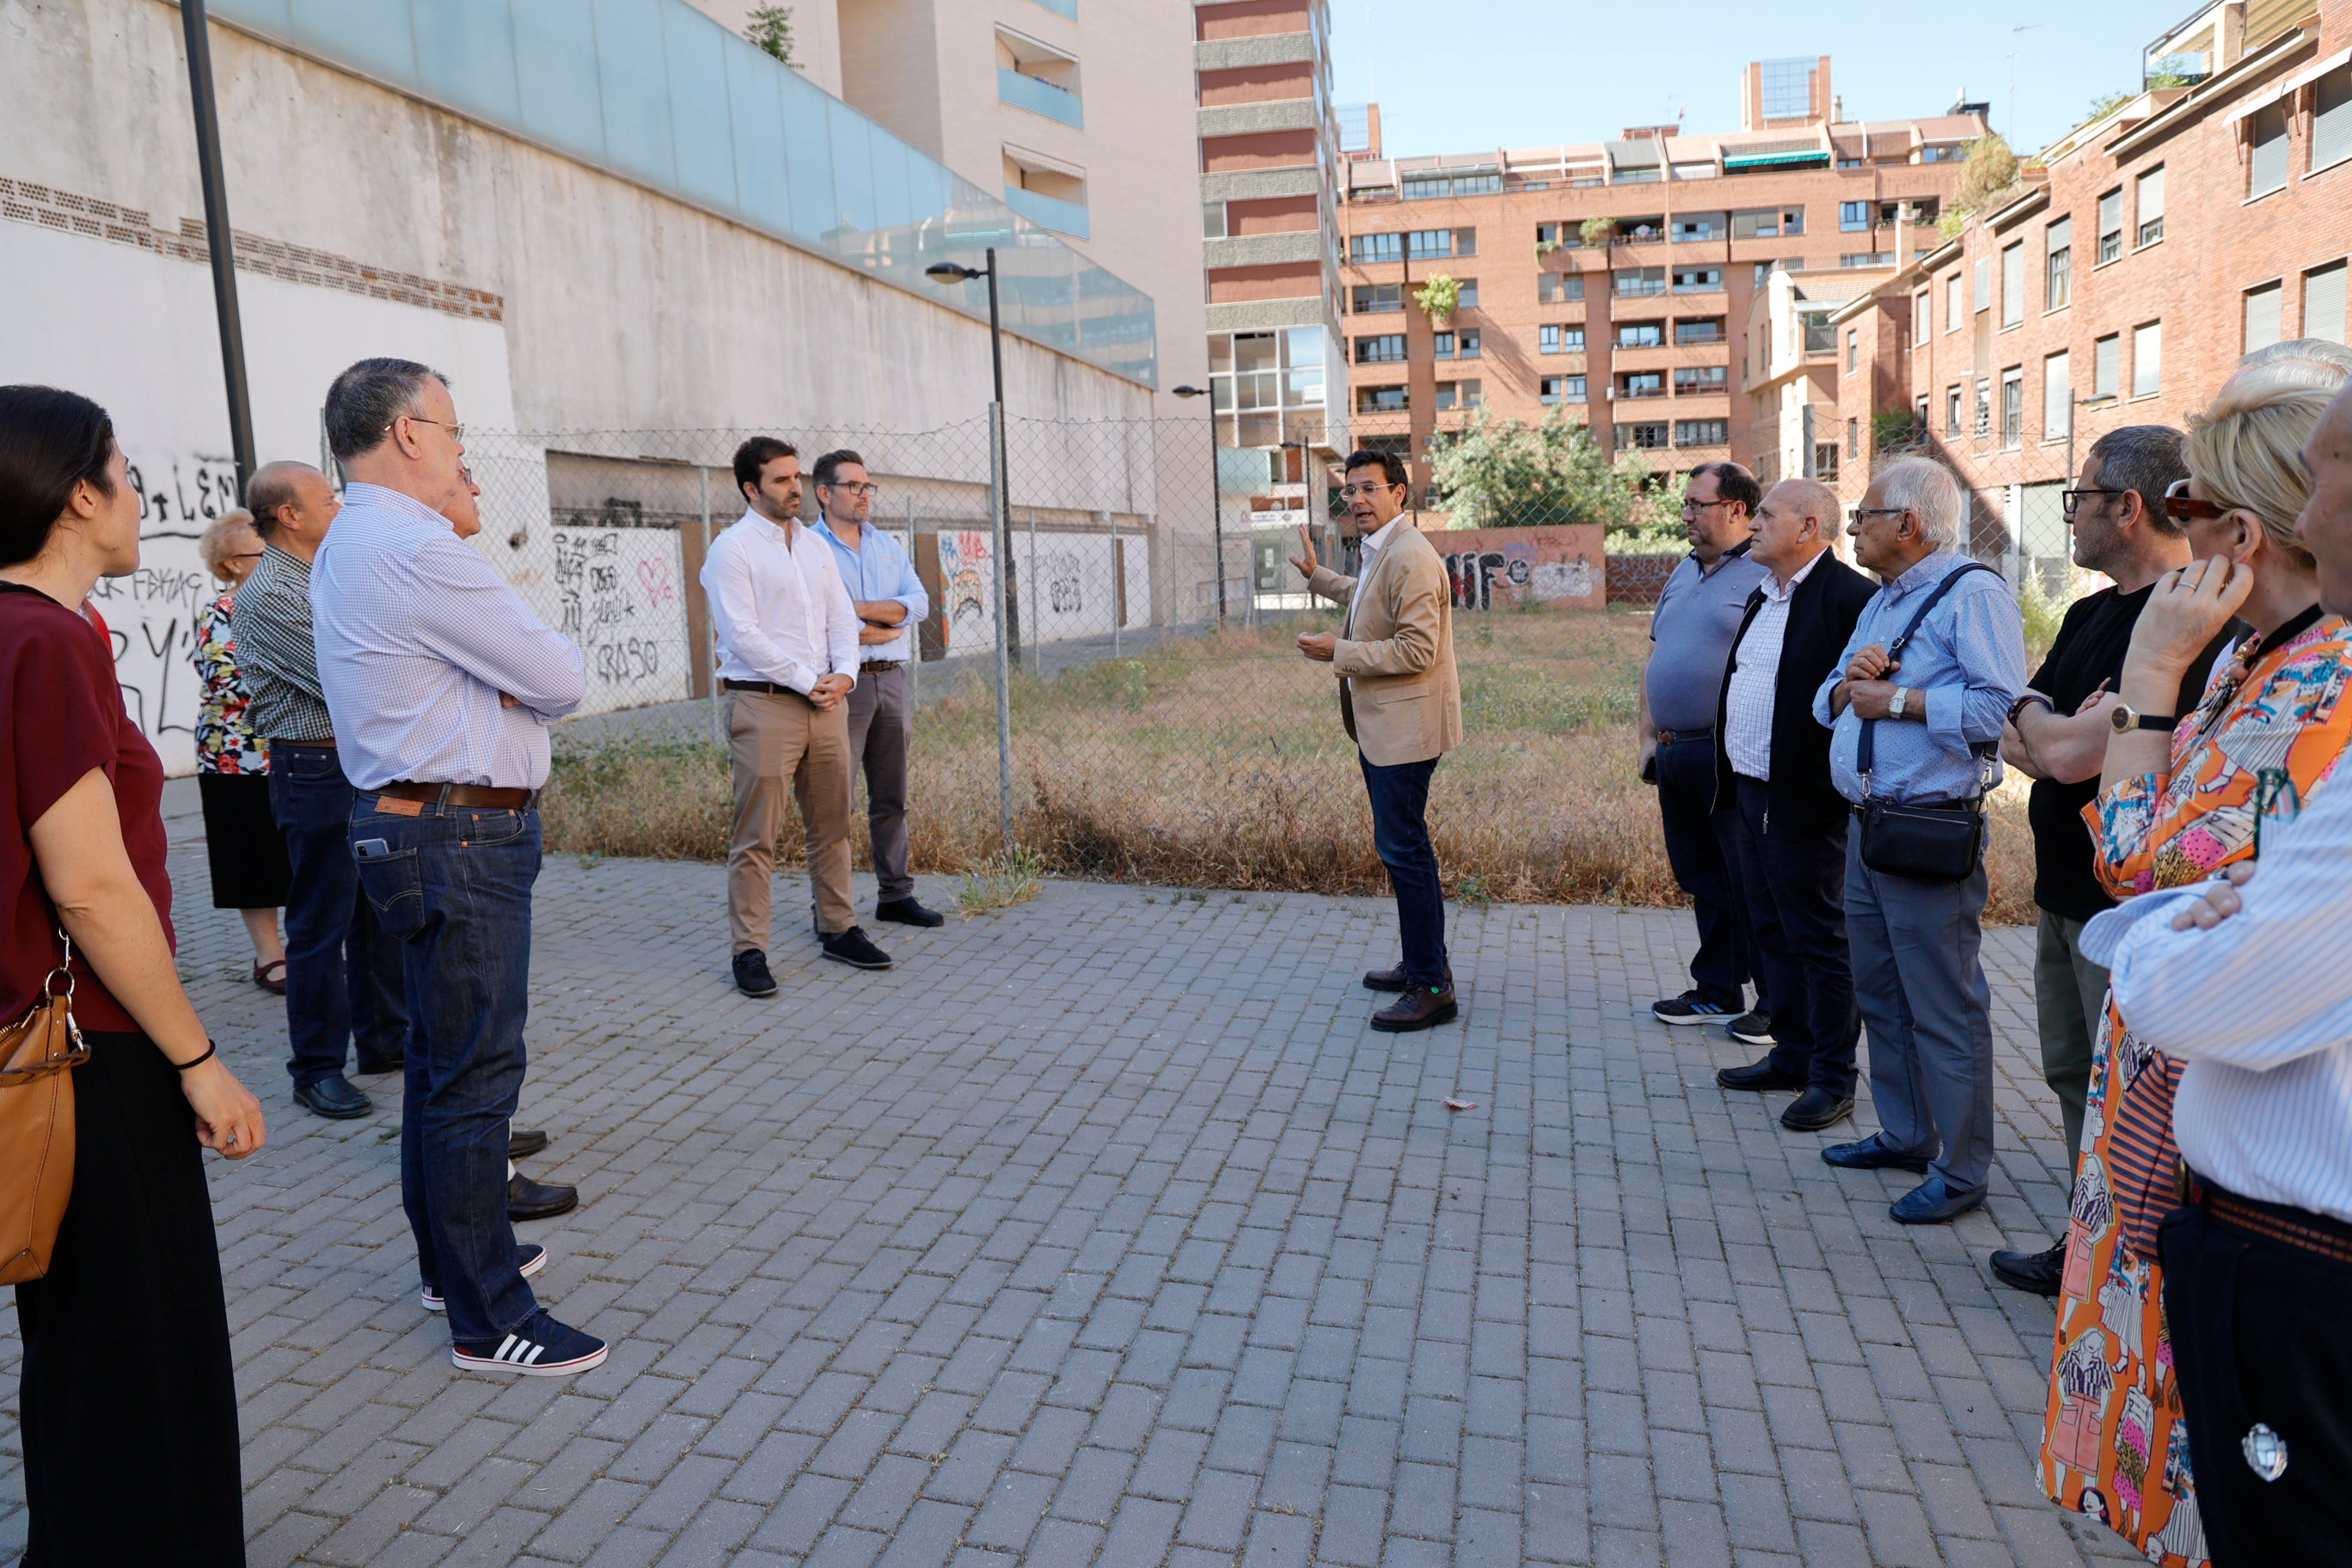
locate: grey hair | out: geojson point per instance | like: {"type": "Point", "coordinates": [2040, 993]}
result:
{"type": "Point", "coordinates": [366, 399]}
{"type": "Point", "coordinates": [212, 545]}
{"type": "Point", "coordinates": [2147, 459]}
{"type": "Point", "coordinates": [1925, 487]}
{"type": "Point", "coordinates": [271, 486]}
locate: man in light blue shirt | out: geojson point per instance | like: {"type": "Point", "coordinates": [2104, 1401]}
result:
{"type": "Point", "coordinates": [1936, 731]}
{"type": "Point", "coordinates": [890, 604]}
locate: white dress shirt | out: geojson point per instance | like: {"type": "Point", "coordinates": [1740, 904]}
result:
{"type": "Point", "coordinates": [779, 606]}
{"type": "Point", "coordinates": [417, 636]}
{"type": "Point", "coordinates": [2260, 1008]}
{"type": "Point", "coordinates": [1366, 554]}
{"type": "Point", "coordinates": [1756, 678]}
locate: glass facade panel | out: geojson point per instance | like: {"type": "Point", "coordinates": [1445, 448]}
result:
{"type": "Point", "coordinates": [466, 53]}
{"type": "Point", "coordinates": [556, 93]}
{"type": "Point", "coordinates": [702, 130]}
{"type": "Point", "coordinates": [633, 78]}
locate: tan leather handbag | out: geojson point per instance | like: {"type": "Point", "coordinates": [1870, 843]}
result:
{"type": "Point", "coordinates": [36, 1125]}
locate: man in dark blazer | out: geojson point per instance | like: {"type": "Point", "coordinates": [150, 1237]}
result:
{"type": "Point", "coordinates": [1773, 769]}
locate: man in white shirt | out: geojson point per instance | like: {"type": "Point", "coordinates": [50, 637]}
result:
{"type": "Point", "coordinates": [787, 636]}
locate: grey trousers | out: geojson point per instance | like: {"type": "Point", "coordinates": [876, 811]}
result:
{"type": "Point", "coordinates": [2070, 1003]}
{"type": "Point", "coordinates": [1925, 1004]}
{"type": "Point", "coordinates": [881, 723]}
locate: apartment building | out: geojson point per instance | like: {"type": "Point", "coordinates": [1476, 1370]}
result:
{"type": "Point", "coordinates": [1624, 282]}
{"type": "Point", "coordinates": [2151, 248]}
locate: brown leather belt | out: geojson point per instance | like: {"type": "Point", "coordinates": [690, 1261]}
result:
{"type": "Point", "coordinates": [2319, 1234]}
{"type": "Point", "coordinates": [770, 687]}
{"type": "Point", "coordinates": [1668, 737]}
{"type": "Point", "coordinates": [882, 664]}
{"type": "Point", "coordinates": [479, 795]}
{"type": "Point", "coordinates": [289, 741]}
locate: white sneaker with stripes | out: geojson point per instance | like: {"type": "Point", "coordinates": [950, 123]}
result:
{"type": "Point", "coordinates": [530, 1258]}
{"type": "Point", "coordinates": [538, 1347]}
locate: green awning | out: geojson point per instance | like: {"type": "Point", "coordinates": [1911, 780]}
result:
{"type": "Point", "coordinates": [1812, 158]}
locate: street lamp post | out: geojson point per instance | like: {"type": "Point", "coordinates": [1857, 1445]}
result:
{"type": "Point", "coordinates": [216, 231]}
{"type": "Point", "coordinates": [1216, 492]}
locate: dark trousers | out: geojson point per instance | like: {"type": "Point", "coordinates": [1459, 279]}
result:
{"type": "Point", "coordinates": [881, 725]}
{"type": "Point", "coordinates": [2260, 1334]}
{"type": "Point", "coordinates": [1400, 837]}
{"type": "Point", "coordinates": [1704, 856]}
{"type": "Point", "coordinates": [454, 886]}
{"type": "Point", "coordinates": [128, 1396]}
{"type": "Point", "coordinates": [1792, 875]}
{"type": "Point", "coordinates": [342, 974]}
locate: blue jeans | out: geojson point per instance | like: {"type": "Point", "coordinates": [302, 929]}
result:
{"type": "Point", "coordinates": [342, 974]}
{"type": "Point", "coordinates": [453, 884]}
{"type": "Point", "coordinates": [1705, 857]}
{"type": "Point", "coordinates": [1400, 837]}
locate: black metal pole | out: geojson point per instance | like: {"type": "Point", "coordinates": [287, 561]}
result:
{"type": "Point", "coordinates": [1003, 467]}
{"type": "Point", "coordinates": [223, 248]}
{"type": "Point", "coordinates": [1217, 501]}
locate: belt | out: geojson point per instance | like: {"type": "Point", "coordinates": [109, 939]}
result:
{"type": "Point", "coordinates": [770, 687]}
{"type": "Point", "coordinates": [289, 741]}
{"type": "Point", "coordinates": [882, 664]}
{"type": "Point", "coordinates": [484, 796]}
{"type": "Point", "coordinates": [2306, 1232]}
{"type": "Point", "coordinates": [1668, 737]}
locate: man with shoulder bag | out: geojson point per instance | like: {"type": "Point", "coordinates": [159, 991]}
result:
{"type": "Point", "coordinates": [1916, 710]}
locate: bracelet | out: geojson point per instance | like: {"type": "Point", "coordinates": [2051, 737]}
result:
{"type": "Point", "coordinates": [2028, 700]}
{"type": "Point", "coordinates": [211, 1050]}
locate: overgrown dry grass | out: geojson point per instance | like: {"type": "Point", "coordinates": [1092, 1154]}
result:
{"type": "Point", "coordinates": [1220, 762]}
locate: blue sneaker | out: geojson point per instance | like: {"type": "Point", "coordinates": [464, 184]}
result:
{"type": "Point", "coordinates": [538, 1347]}
{"type": "Point", "coordinates": [1690, 1007]}
{"type": "Point", "coordinates": [532, 1256]}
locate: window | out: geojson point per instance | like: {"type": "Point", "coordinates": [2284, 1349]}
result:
{"type": "Point", "coordinates": [2331, 120]}
{"type": "Point", "coordinates": [2262, 315]}
{"type": "Point", "coordinates": [1983, 424]}
{"type": "Point", "coordinates": [2013, 407]}
{"type": "Point", "coordinates": [1555, 234]}
{"type": "Point", "coordinates": [2147, 359]}
{"type": "Point", "coordinates": [1421, 187]}
{"type": "Point", "coordinates": [1953, 313]}
{"type": "Point", "coordinates": [1690, 226]}
{"type": "Point", "coordinates": [1562, 389]}
{"type": "Point", "coordinates": [2058, 265]}
{"type": "Point", "coordinates": [1370, 247]}
{"type": "Point", "coordinates": [2111, 225]}
{"type": "Point", "coordinates": [1441, 345]}
{"type": "Point", "coordinates": [2057, 397]}
{"type": "Point", "coordinates": [1694, 378]}
{"type": "Point", "coordinates": [1380, 400]}
{"type": "Point", "coordinates": [1469, 300]}
{"type": "Point", "coordinates": [1854, 437]}
{"type": "Point", "coordinates": [1825, 461]}
{"type": "Point", "coordinates": [1386, 349]}
{"type": "Point", "coordinates": [1467, 344]}
{"type": "Point", "coordinates": [1922, 317]}
{"type": "Point", "coordinates": [1951, 411]}
{"type": "Point", "coordinates": [1785, 86]}
{"type": "Point", "coordinates": [1632, 282]}
{"type": "Point", "coordinates": [1557, 340]}
{"type": "Point", "coordinates": [1698, 280]}
{"type": "Point", "coordinates": [1951, 154]}
{"type": "Point", "coordinates": [2013, 284]}
{"type": "Point", "coordinates": [2266, 165]}
{"type": "Point", "coordinates": [1867, 258]}
{"type": "Point", "coordinates": [1702, 432]}
{"type": "Point", "coordinates": [1641, 334]}
{"type": "Point", "coordinates": [1460, 394]}
{"type": "Point", "coordinates": [1369, 299]}
{"type": "Point", "coordinates": [1821, 338]}
{"type": "Point", "coordinates": [1213, 220]}
{"type": "Point", "coordinates": [1853, 217]}
{"type": "Point", "coordinates": [1436, 244]}
{"type": "Point", "coordinates": [1647, 437]}
{"type": "Point", "coordinates": [1980, 296]}
{"type": "Point", "coordinates": [1639, 230]}
{"type": "Point", "coordinates": [2106, 366]}
{"type": "Point", "coordinates": [1559, 287]}
{"type": "Point", "coordinates": [1641, 384]}
{"type": "Point", "coordinates": [2149, 204]}
{"type": "Point", "coordinates": [1853, 350]}
{"type": "Point", "coordinates": [1767, 223]}
{"type": "Point", "coordinates": [2322, 303]}
{"type": "Point", "coordinates": [1705, 330]}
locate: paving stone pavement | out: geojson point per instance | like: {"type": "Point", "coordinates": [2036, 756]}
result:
{"type": "Point", "coordinates": [1102, 1230]}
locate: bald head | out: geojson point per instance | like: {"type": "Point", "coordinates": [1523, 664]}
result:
{"type": "Point", "coordinates": [292, 504]}
{"type": "Point", "coordinates": [1794, 523]}
{"type": "Point", "coordinates": [2325, 525]}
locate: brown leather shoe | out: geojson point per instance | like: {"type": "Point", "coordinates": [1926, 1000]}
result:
{"type": "Point", "coordinates": [1418, 1008]}
{"type": "Point", "coordinates": [1393, 979]}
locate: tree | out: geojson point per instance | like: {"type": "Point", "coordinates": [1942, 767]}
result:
{"type": "Point", "coordinates": [1437, 299]}
{"type": "Point", "coordinates": [770, 29]}
{"type": "Point", "coordinates": [1596, 232]}
{"type": "Point", "coordinates": [1508, 474]}
{"type": "Point", "coordinates": [1990, 173]}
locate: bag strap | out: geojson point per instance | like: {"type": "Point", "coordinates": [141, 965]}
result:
{"type": "Point", "coordinates": [1868, 753]}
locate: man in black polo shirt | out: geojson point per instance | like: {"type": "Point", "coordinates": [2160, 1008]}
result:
{"type": "Point", "coordinates": [2057, 735]}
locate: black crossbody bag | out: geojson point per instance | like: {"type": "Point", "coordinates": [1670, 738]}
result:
{"type": "Point", "coordinates": [1934, 843]}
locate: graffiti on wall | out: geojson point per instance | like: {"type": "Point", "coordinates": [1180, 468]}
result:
{"type": "Point", "coordinates": [151, 614]}
{"type": "Point", "coordinates": [963, 581]}
{"type": "Point", "coordinates": [617, 596]}
{"type": "Point", "coordinates": [1491, 569]}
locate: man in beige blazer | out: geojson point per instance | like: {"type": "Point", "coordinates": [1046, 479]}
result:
{"type": "Point", "coordinates": [1402, 702]}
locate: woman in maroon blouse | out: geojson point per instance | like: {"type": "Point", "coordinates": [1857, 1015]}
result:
{"type": "Point", "coordinates": [127, 1398]}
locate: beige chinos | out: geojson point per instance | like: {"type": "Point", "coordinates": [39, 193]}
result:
{"type": "Point", "coordinates": [778, 739]}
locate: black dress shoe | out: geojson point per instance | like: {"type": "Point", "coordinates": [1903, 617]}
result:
{"type": "Point", "coordinates": [369, 1066]}
{"type": "Point", "coordinates": [1760, 1076]}
{"type": "Point", "coordinates": [524, 1144]}
{"type": "Point", "coordinates": [333, 1098]}
{"type": "Point", "coordinates": [909, 912]}
{"type": "Point", "coordinates": [1394, 980]}
{"type": "Point", "coordinates": [2036, 1273]}
{"type": "Point", "coordinates": [853, 948]}
{"type": "Point", "coordinates": [751, 976]}
{"type": "Point", "coordinates": [1934, 1202]}
{"type": "Point", "coordinates": [1419, 1009]}
{"type": "Point", "coordinates": [1816, 1108]}
{"type": "Point", "coordinates": [1873, 1154]}
{"type": "Point", "coordinates": [527, 1199]}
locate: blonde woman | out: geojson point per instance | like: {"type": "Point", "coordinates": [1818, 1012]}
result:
{"type": "Point", "coordinates": [250, 871]}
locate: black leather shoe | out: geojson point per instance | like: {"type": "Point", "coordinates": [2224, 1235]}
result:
{"type": "Point", "coordinates": [751, 976]}
{"type": "Point", "coordinates": [909, 912]}
{"type": "Point", "coordinates": [1760, 1076]}
{"type": "Point", "coordinates": [524, 1144]}
{"type": "Point", "coordinates": [1394, 980]}
{"type": "Point", "coordinates": [527, 1199]}
{"type": "Point", "coordinates": [1933, 1202]}
{"type": "Point", "coordinates": [1816, 1108]}
{"type": "Point", "coordinates": [333, 1098]}
{"type": "Point", "coordinates": [368, 1066]}
{"type": "Point", "coordinates": [853, 948]}
{"type": "Point", "coordinates": [2035, 1273]}
{"type": "Point", "coordinates": [1873, 1154]}
{"type": "Point", "coordinates": [1419, 1009]}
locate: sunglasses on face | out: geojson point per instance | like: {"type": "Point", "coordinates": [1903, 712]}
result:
{"type": "Point", "coordinates": [2182, 507]}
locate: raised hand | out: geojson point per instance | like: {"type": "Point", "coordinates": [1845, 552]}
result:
{"type": "Point", "coordinates": [1305, 561]}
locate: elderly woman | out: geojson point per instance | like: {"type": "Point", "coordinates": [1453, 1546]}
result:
{"type": "Point", "coordinates": [2183, 794]}
{"type": "Point", "coordinates": [248, 853]}
{"type": "Point", "coordinates": [128, 1396]}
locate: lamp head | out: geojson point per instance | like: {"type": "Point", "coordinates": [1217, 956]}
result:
{"type": "Point", "coordinates": [1189, 391]}
{"type": "Point", "coordinates": [954, 272]}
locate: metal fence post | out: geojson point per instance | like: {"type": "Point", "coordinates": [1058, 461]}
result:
{"type": "Point", "coordinates": [915, 632]}
{"type": "Point", "coordinates": [1000, 524]}
{"type": "Point", "coordinates": [710, 620]}
{"type": "Point", "coordinates": [1118, 584]}
{"type": "Point", "coordinates": [1036, 612]}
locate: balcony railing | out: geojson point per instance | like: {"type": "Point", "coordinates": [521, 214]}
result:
{"type": "Point", "coordinates": [1048, 212]}
{"type": "Point", "coordinates": [1038, 96]}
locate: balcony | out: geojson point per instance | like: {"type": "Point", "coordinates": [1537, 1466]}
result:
{"type": "Point", "coordinates": [1038, 96]}
{"type": "Point", "coordinates": [1048, 212]}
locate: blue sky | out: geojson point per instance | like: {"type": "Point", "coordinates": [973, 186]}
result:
{"type": "Point", "coordinates": [1459, 76]}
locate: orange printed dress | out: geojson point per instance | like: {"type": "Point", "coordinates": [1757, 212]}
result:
{"type": "Point", "coordinates": [2267, 733]}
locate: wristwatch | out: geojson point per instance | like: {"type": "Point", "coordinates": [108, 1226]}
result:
{"type": "Point", "coordinates": [2126, 718]}
{"type": "Point", "coordinates": [1895, 704]}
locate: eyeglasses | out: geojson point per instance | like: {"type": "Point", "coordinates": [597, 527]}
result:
{"type": "Point", "coordinates": [1690, 506]}
{"type": "Point", "coordinates": [2070, 501]}
{"type": "Point", "coordinates": [456, 431]}
{"type": "Point", "coordinates": [1352, 492]}
{"type": "Point", "coordinates": [2182, 507]}
{"type": "Point", "coordinates": [1856, 514]}
{"type": "Point", "coordinates": [864, 488]}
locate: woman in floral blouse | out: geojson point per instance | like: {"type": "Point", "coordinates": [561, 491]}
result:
{"type": "Point", "coordinates": [250, 871]}
{"type": "Point", "coordinates": [2179, 801]}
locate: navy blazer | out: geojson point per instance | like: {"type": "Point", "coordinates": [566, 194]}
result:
{"type": "Point", "coordinates": [1821, 615]}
